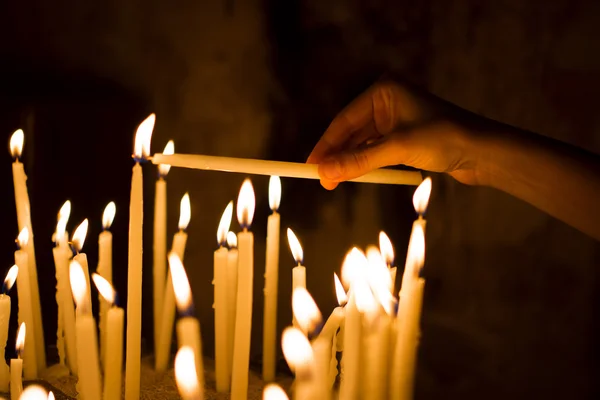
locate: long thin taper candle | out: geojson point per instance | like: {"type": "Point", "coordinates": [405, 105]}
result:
{"type": "Point", "coordinates": [105, 270]}
{"type": "Point", "coordinates": [4, 322]}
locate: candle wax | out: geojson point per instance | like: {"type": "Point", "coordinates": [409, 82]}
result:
{"type": "Point", "coordinates": [25, 314]}
{"type": "Point", "coordinates": [270, 292]}
{"type": "Point", "coordinates": [376, 356]}
{"type": "Point", "coordinates": [105, 270]}
{"type": "Point", "coordinates": [160, 255]}
{"type": "Point", "coordinates": [232, 267]}
{"type": "Point", "coordinates": [349, 388]}
{"type": "Point", "coordinates": [114, 354]}
{"type": "Point", "coordinates": [322, 356]}
{"type": "Point", "coordinates": [87, 355]}
{"type": "Point", "coordinates": [188, 334]}
{"type": "Point", "coordinates": [4, 322]}
{"type": "Point", "coordinates": [220, 306]}
{"type": "Point", "coordinates": [298, 280]}
{"type": "Point", "coordinates": [16, 378]}
{"type": "Point", "coordinates": [66, 309]}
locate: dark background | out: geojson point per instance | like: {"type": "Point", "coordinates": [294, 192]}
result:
{"type": "Point", "coordinates": [511, 305]}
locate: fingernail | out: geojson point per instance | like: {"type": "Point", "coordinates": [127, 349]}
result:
{"type": "Point", "coordinates": [332, 169]}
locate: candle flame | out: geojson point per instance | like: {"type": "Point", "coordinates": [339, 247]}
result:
{"type": "Point", "coordinates": [21, 339]}
{"type": "Point", "coordinates": [231, 240]}
{"type": "Point", "coordinates": [295, 247]}
{"type": "Point", "coordinates": [365, 300]}
{"type": "Point", "coordinates": [35, 392]}
{"type": "Point", "coordinates": [23, 238]}
{"type": "Point", "coordinates": [65, 211]}
{"type": "Point", "coordinates": [163, 169]}
{"type": "Point", "coordinates": [186, 375]}
{"type": "Point", "coordinates": [274, 392]}
{"type": "Point", "coordinates": [185, 212]}
{"type": "Point", "coordinates": [421, 196]}
{"type": "Point", "coordinates": [11, 277]}
{"type": "Point", "coordinates": [354, 266]}
{"type": "Point", "coordinates": [51, 395]}
{"type": "Point", "coordinates": [183, 292]}
{"type": "Point", "coordinates": [380, 280]}
{"type": "Point", "coordinates": [143, 136]}
{"type": "Point", "coordinates": [108, 215]}
{"type": "Point", "coordinates": [274, 192]}
{"type": "Point", "coordinates": [224, 224]}
{"type": "Point", "coordinates": [16, 143]}
{"type": "Point", "coordinates": [79, 235]}
{"type": "Point", "coordinates": [296, 348]}
{"type": "Point", "coordinates": [104, 288]}
{"type": "Point", "coordinates": [340, 293]}
{"type": "Point", "coordinates": [386, 248]}
{"type": "Point", "coordinates": [78, 283]}
{"type": "Point", "coordinates": [416, 250]}
{"type": "Point", "coordinates": [306, 312]}
{"type": "Point", "coordinates": [246, 204]}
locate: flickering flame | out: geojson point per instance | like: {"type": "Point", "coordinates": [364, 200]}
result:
{"type": "Point", "coordinates": [16, 143]}
{"type": "Point", "coordinates": [23, 238]}
{"type": "Point", "coordinates": [143, 136]}
{"type": "Point", "coordinates": [274, 192]}
{"type": "Point", "coordinates": [246, 204]}
{"type": "Point", "coordinates": [365, 300]}
{"type": "Point", "coordinates": [185, 212]}
{"type": "Point", "coordinates": [109, 215]}
{"type": "Point", "coordinates": [186, 374]}
{"type": "Point", "coordinates": [79, 235]}
{"type": "Point", "coordinates": [61, 224]}
{"type": "Point", "coordinates": [231, 240]}
{"type": "Point", "coordinates": [78, 283]}
{"type": "Point", "coordinates": [416, 250]}
{"type": "Point", "coordinates": [340, 293]}
{"type": "Point", "coordinates": [183, 292]}
{"type": "Point", "coordinates": [295, 247]}
{"type": "Point", "coordinates": [379, 279]}
{"type": "Point", "coordinates": [307, 314]}
{"type": "Point", "coordinates": [421, 196]}
{"type": "Point", "coordinates": [104, 288]}
{"type": "Point", "coordinates": [35, 392]}
{"type": "Point", "coordinates": [51, 395]}
{"type": "Point", "coordinates": [224, 224]}
{"type": "Point", "coordinates": [65, 211]}
{"type": "Point", "coordinates": [21, 339]}
{"type": "Point", "coordinates": [386, 248]}
{"type": "Point", "coordinates": [11, 277]}
{"type": "Point", "coordinates": [163, 169]}
{"type": "Point", "coordinates": [274, 392]}
{"type": "Point", "coordinates": [296, 348]}
{"type": "Point", "coordinates": [354, 266]}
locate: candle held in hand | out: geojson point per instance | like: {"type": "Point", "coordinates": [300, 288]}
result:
{"type": "Point", "coordinates": [11, 276]}
{"type": "Point", "coordinates": [16, 365]}
{"type": "Point", "coordinates": [105, 270]}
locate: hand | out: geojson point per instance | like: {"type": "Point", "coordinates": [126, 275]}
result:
{"type": "Point", "coordinates": [391, 124]}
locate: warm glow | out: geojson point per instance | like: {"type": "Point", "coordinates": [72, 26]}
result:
{"type": "Point", "coordinates": [340, 293]}
{"type": "Point", "coordinates": [16, 143]}
{"type": "Point", "coordinates": [35, 392]}
{"type": "Point", "coordinates": [11, 277]}
{"type": "Point", "coordinates": [296, 348]}
{"type": "Point", "coordinates": [231, 240]}
{"type": "Point", "coordinates": [186, 375]}
{"type": "Point", "coordinates": [79, 235]}
{"type": "Point", "coordinates": [163, 169]}
{"type": "Point", "coordinates": [246, 204]}
{"type": "Point", "coordinates": [354, 266]}
{"type": "Point", "coordinates": [274, 392]}
{"type": "Point", "coordinates": [78, 283]}
{"type": "Point", "coordinates": [183, 292]}
{"type": "Point", "coordinates": [295, 247]}
{"type": "Point", "coordinates": [109, 215]}
{"type": "Point", "coordinates": [224, 224]}
{"type": "Point", "coordinates": [104, 288]}
{"type": "Point", "coordinates": [421, 196]}
{"type": "Point", "coordinates": [61, 225]}
{"type": "Point", "coordinates": [185, 212]}
{"type": "Point", "coordinates": [305, 310]}
{"type": "Point", "coordinates": [380, 281]}
{"type": "Point", "coordinates": [274, 192]}
{"type": "Point", "coordinates": [21, 338]}
{"type": "Point", "coordinates": [23, 238]}
{"type": "Point", "coordinates": [386, 248]}
{"type": "Point", "coordinates": [65, 211]}
{"type": "Point", "coordinates": [365, 300]}
{"type": "Point", "coordinates": [143, 136]}
{"type": "Point", "coordinates": [51, 395]}
{"type": "Point", "coordinates": [416, 250]}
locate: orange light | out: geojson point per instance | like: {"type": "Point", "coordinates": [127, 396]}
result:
{"type": "Point", "coordinates": [104, 288]}
{"type": "Point", "coordinates": [354, 266]}
{"type": "Point", "coordinates": [274, 192]}
{"type": "Point", "coordinates": [296, 349]}
{"type": "Point", "coordinates": [421, 196]}
{"type": "Point", "coordinates": [11, 276]}
{"type": "Point", "coordinates": [246, 204]}
{"type": "Point", "coordinates": [185, 212]}
{"type": "Point", "coordinates": [340, 293]}
{"type": "Point", "coordinates": [23, 238]}
{"type": "Point", "coordinates": [307, 314]}
{"type": "Point", "coordinates": [224, 224]}
{"type": "Point", "coordinates": [231, 240]}
{"type": "Point", "coordinates": [79, 235]}
{"type": "Point", "coordinates": [274, 392]}
{"type": "Point", "coordinates": [16, 143]}
{"type": "Point", "coordinates": [186, 375]}
{"type": "Point", "coordinates": [108, 216]}
{"type": "Point", "coordinates": [183, 292]}
{"type": "Point", "coordinates": [295, 247]}
{"type": "Point", "coordinates": [143, 137]}
{"type": "Point", "coordinates": [35, 392]}
{"type": "Point", "coordinates": [386, 248]}
{"type": "Point", "coordinates": [163, 169]}
{"type": "Point", "coordinates": [78, 284]}
{"type": "Point", "coordinates": [380, 281]}
{"type": "Point", "coordinates": [21, 339]}
{"type": "Point", "coordinates": [416, 250]}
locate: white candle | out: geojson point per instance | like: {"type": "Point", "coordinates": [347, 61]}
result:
{"type": "Point", "coordinates": [88, 383]}
{"type": "Point", "coordinates": [186, 375]}
{"type": "Point", "coordinates": [160, 242]}
{"type": "Point", "coordinates": [337, 315]}
{"type": "Point", "coordinates": [16, 365]}
{"type": "Point", "coordinates": [299, 355]}
{"type": "Point", "coordinates": [168, 309]}
{"type": "Point", "coordinates": [271, 282]}
{"type": "Point", "coordinates": [387, 251]}
{"type": "Point", "coordinates": [322, 354]}
{"type": "Point", "coordinates": [243, 324]}
{"type": "Point", "coordinates": [299, 271]}
{"type": "Point", "coordinates": [113, 364]}
{"type": "Point", "coordinates": [232, 276]}
{"type": "Point", "coordinates": [220, 302]}
{"type": "Point", "coordinates": [105, 270]}
{"type": "Point", "coordinates": [274, 392]}
{"type": "Point", "coordinates": [134, 273]}
{"type": "Point", "coordinates": [4, 323]}
{"type": "Point", "coordinates": [77, 242]}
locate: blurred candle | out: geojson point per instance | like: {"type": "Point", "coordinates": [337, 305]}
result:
{"type": "Point", "coordinates": [105, 270]}
{"type": "Point", "coordinates": [299, 271]}
{"type": "Point", "coordinates": [330, 329]}
{"type": "Point", "coordinates": [299, 355]}
{"type": "Point", "coordinates": [134, 273]}
{"type": "Point", "coordinates": [232, 276]}
{"type": "Point", "coordinates": [36, 392]}
{"type": "Point", "coordinates": [186, 375]}
{"type": "Point", "coordinates": [77, 242]}
{"type": "Point", "coordinates": [243, 325]}
{"type": "Point", "coordinates": [16, 365]}
{"type": "Point", "coordinates": [274, 392]}
{"type": "Point", "coordinates": [387, 251]}
{"type": "Point", "coordinates": [4, 324]}
{"type": "Point", "coordinates": [306, 313]}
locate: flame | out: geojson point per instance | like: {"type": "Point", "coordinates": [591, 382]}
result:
{"type": "Point", "coordinates": [35, 392]}
{"type": "Point", "coordinates": [296, 348]}
{"type": "Point", "coordinates": [11, 277]}
{"type": "Point", "coordinates": [231, 240]}
{"type": "Point", "coordinates": [78, 283]}
{"type": "Point", "coordinates": [354, 266]}
{"type": "Point", "coordinates": [340, 293]}
{"type": "Point", "coordinates": [416, 250]}
{"type": "Point", "coordinates": [224, 224]}
{"type": "Point", "coordinates": [305, 310]}
{"type": "Point", "coordinates": [104, 287]}
{"type": "Point", "coordinates": [108, 215]}
{"type": "Point", "coordinates": [16, 143]}
{"type": "Point", "coordinates": [23, 238]}
{"type": "Point", "coordinates": [274, 192]}
{"type": "Point", "coordinates": [61, 224]}
{"type": "Point", "coordinates": [295, 247]}
{"type": "Point", "coordinates": [51, 395]}
{"type": "Point", "coordinates": [183, 292]}
{"type": "Point", "coordinates": [185, 212]}
{"type": "Point", "coordinates": [185, 373]}
{"type": "Point", "coordinates": [65, 211]}
{"type": "Point", "coordinates": [143, 136]}
{"type": "Point", "coordinates": [365, 300]}
{"type": "Point", "coordinates": [21, 338]}
{"type": "Point", "coordinates": [246, 204]}
{"type": "Point", "coordinates": [421, 196]}
{"type": "Point", "coordinates": [380, 280]}
{"type": "Point", "coordinates": [79, 235]}
{"type": "Point", "coordinates": [386, 248]}
{"type": "Point", "coordinates": [274, 392]}
{"type": "Point", "coordinates": [163, 169]}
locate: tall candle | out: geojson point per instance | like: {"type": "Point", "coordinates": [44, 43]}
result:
{"type": "Point", "coordinates": [160, 242]}
{"type": "Point", "coordinates": [299, 355]}
{"type": "Point", "coordinates": [220, 302]}
{"type": "Point", "coordinates": [243, 323]}
{"type": "Point", "coordinates": [271, 282]}
{"type": "Point", "coordinates": [77, 242]}
{"type": "Point", "coordinates": [186, 375]}
{"type": "Point", "coordinates": [134, 273]}
{"type": "Point", "coordinates": [4, 323]}
{"type": "Point", "coordinates": [232, 276]}
{"type": "Point", "coordinates": [105, 270]}
{"type": "Point", "coordinates": [168, 310]}
{"type": "Point", "coordinates": [16, 365]}
{"type": "Point", "coordinates": [299, 271]}
{"type": "Point", "coordinates": [387, 251]}
{"type": "Point", "coordinates": [113, 364]}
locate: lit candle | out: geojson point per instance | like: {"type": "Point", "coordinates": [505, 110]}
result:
{"type": "Point", "coordinates": [24, 221]}
{"type": "Point", "coordinates": [134, 272]}
{"type": "Point", "coordinates": [25, 314]}
{"type": "Point", "coordinates": [299, 271]}
{"type": "Point", "coordinates": [160, 242]}
{"type": "Point", "coordinates": [188, 326]}
{"type": "Point", "coordinates": [271, 282]}
{"type": "Point", "coordinates": [4, 323]}
{"type": "Point", "coordinates": [299, 355]}
{"type": "Point", "coordinates": [243, 324]}
{"type": "Point", "coordinates": [88, 383]}
{"type": "Point", "coordinates": [16, 365]}
{"type": "Point", "coordinates": [168, 315]}
{"type": "Point", "coordinates": [105, 270]}
{"type": "Point", "coordinates": [274, 392]}
{"type": "Point", "coordinates": [186, 375]}
{"type": "Point", "coordinates": [387, 251]}
{"type": "Point", "coordinates": [77, 242]}
{"type": "Point", "coordinates": [113, 365]}
{"type": "Point", "coordinates": [220, 302]}
{"type": "Point", "coordinates": [232, 276]}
